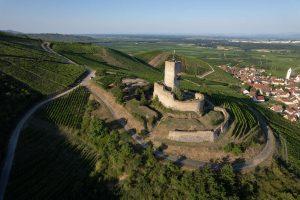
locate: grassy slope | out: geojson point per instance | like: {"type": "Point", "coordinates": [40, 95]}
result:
{"type": "Point", "coordinates": [99, 57]}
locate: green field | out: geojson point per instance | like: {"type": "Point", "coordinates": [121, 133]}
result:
{"type": "Point", "coordinates": [276, 60]}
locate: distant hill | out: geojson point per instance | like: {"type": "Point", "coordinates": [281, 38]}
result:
{"type": "Point", "coordinates": [62, 37]}
{"type": "Point", "coordinates": [190, 65]}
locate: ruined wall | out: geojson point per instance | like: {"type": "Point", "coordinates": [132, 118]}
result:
{"type": "Point", "coordinates": [172, 68]}
{"type": "Point", "coordinates": [224, 125]}
{"type": "Point", "coordinates": [168, 100]}
{"type": "Point", "coordinates": [192, 136]}
{"type": "Point", "coordinates": [201, 136]}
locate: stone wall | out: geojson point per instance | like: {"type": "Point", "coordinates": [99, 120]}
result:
{"type": "Point", "coordinates": [224, 125]}
{"type": "Point", "coordinates": [192, 136]}
{"type": "Point", "coordinates": [201, 136]}
{"type": "Point", "coordinates": [169, 101]}
{"type": "Point", "coordinates": [172, 68]}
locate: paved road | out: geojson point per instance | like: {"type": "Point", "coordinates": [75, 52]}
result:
{"type": "Point", "coordinates": [46, 47]}
{"type": "Point", "coordinates": [5, 173]}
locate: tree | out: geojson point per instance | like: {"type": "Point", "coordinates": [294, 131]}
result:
{"type": "Point", "coordinates": [98, 127]}
{"type": "Point", "coordinates": [178, 93]}
{"type": "Point", "coordinates": [144, 100]}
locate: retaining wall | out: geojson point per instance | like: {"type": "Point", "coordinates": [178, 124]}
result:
{"type": "Point", "coordinates": [169, 101]}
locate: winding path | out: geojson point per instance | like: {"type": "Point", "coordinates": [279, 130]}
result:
{"type": "Point", "coordinates": [11, 148]}
{"type": "Point", "coordinates": [207, 73]}
{"type": "Point", "coordinates": [265, 154]}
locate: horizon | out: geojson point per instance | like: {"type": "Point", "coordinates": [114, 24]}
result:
{"type": "Point", "coordinates": [232, 17]}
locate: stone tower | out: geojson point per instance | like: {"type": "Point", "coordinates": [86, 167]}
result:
{"type": "Point", "coordinates": [288, 74]}
{"type": "Point", "coordinates": [172, 68]}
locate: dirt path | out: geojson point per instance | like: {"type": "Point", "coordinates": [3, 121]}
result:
{"type": "Point", "coordinates": [207, 73]}
{"type": "Point", "coordinates": [117, 110]}
{"type": "Point", "coordinates": [120, 112]}
{"type": "Point", "coordinates": [157, 59]}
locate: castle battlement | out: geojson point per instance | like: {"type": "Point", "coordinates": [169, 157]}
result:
{"type": "Point", "coordinates": [168, 100]}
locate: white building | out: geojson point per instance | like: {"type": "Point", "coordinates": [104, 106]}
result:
{"type": "Point", "coordinates": [288, 74]}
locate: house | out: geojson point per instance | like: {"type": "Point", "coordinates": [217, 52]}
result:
{"type": "Point", "coordinates": [258, 98]}
{"type": "Point", "coordinates": [246, 92]}
{"type": "Point", "coordinates": [290, 111]}
{"type": "Point", "coordinates": [289, 101]}
{"type": "Point", "coordinates": [277, 108]}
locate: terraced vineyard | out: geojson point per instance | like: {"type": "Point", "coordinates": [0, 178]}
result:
{"type": "Point", "coordinates": [24, 59]}
{"type": "Point", "coordinates": [68, 110]}
{"type": "Point", "coordinates": [288, 134]}
{"type": "Point", "coordinates": [245, 123]}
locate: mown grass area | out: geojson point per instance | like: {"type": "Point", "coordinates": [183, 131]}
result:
{"type": "Point", "coordinates": [24, 59]}
{"type": "Point", "coordinates": [99, 57]}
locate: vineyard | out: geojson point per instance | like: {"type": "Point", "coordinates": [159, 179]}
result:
{"type": "Point", "coordinates": [288, 134]}
{"type": "Point", "coordinates": [51, 165]}
{"type": "Point", "coordinates": [68, 110]}
{"type": "Point", "coordinates": [25, 60]}
{"type": "Point", "coordinates": [15, 98]}
{"type": "Point", "coordinates": [245, 123]}
{"type": "Point", "coordinates": [64, 165]}
{"type": "Point", "coordinates": [99, 57]}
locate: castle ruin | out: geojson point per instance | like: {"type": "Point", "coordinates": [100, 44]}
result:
{"type": "Point", "coordinates": [165, 94]}
{"type": "Point", "coordinates": [163, 91]}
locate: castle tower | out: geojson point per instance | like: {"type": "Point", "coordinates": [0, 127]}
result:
{"type": "Point", "coordinates": [288, 74]}
{"type": "Point", "coordinates": [172, 68]}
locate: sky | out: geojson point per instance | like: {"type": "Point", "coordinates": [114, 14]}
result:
{"type": "Point", "coordinates": [151, 16]}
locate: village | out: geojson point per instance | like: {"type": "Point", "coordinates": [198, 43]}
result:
{"type": "Point", "coordinates": [283, 95]}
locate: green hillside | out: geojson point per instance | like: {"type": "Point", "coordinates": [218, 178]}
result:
{"type": "Point", "coordinates": [99, 57]}
{"type": "Point", "coordinates": [190, 65]}
{"type": "Point", "coordinates": [27, 74]}
{"type": "Point", "coordinates": [62, 37]}
{"type": "Point", "coordinates": [148, 55]}
{"type": "Point", "coordinates": [24, 59]}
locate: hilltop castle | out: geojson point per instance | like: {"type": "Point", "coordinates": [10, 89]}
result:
{"type": "Point", "coordinates": [164, 91]}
